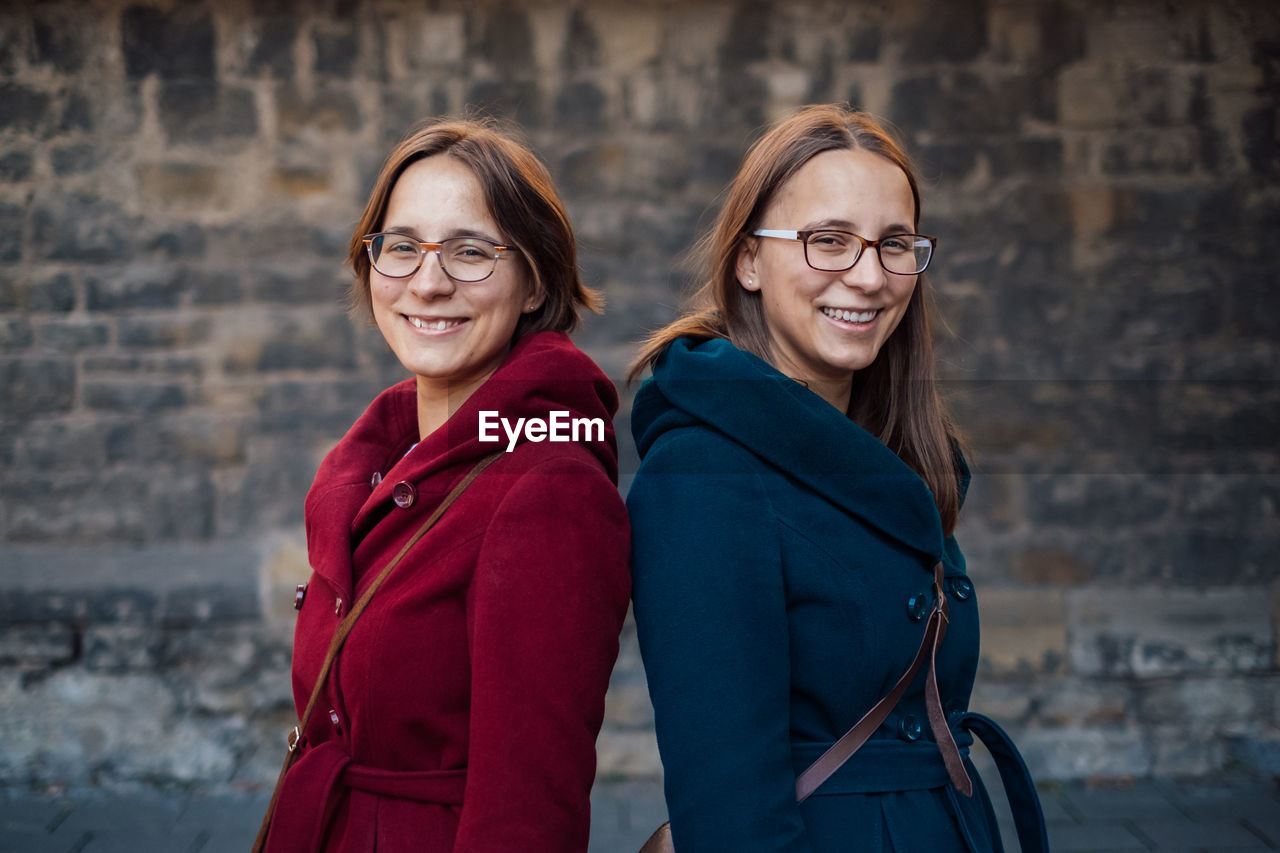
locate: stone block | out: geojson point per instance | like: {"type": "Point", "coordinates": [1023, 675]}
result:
{"type": "Point", "coordinates": [1201, 704]}
{"type": "Point", "coordinates": [1024, 631]}
{"type": "Point", "coordinates": [162, 332]}
{"type": "Point", "coordinates": [1163, 632]}
{"type": "Point", "coordinates": [139, 286]}
{"type": "Point", "coordinates": [306, 116]}
{"type": "Point", "coordinates": [292, 340]}
{"type": "Point", "coordinates": [16, 166]}
{"type": "Point", "coordinates": [950, 32]}
{"type": "Point", "coordinates": [38, 645]}
{"type": "Point", "coordinates": [630, 37]}
{"type": "Point", "coordinates": [180, 183]}
{"type": "Point", "coordinates": [1084, 703]}
{"type": "Point", "coordinates": [213, 288]}
{"type": "Point", "coordinates": [103, 584]}
{"type": "Point", "coordinates": [201, 112]}
{"type": "Point", "coordinates": [75, 725]}
{"type": "Point", "coordinates": [15, 334]}
{"type": "Point", "coordinates": [284, 565]}
{"type": "Point", "coordinates": [80, 227]}
{"type": "Point", "coordinates": [1172, 151]}
{"type": "Point", "coordinates": [336, 50]}
{"type": "Point", "coordinates": [580, 106]}
{"type": "Point", "coordinates": [121, 648]}
{"type": "Point", "coordinates": [75, 159]}
{"type": "Point", "coordinates": [12, 217]}
{"type": "Point", "coordinates": [627, 706]}
{"type": "Point", "coordinates": [1081, 500]}
{"type": "Point", "coordinates": [176, 45]}
{"type": "Point", "coordinates": [273, 51]}
{"type": "Point", "coordinates": [135, 397]}
{"type": "Point", "coordinates": [1080, 753]}
{"type": "Point", "coordinates": [73, 335]}
{"type": "Point", "coordinates": [438, 38]}
{"type": "Point", "coordinates": [300, 284]}
{"type": "Point", "coordinates": [58, 445]}
{"type": "Point", "coordinates": [23, 108]}
{"type": "Point", "coordinates": [60, 43]}
{"type": "Point", "coordinates": [627, 754]}
{"type": "Point", "coordinates": [1107, 95]}
{"type": "Point", "coordinates": [36, 386]}
{"type": "Point", "coordinates": [147, 364]}
{"type": "Point", "coordinates": [1258, 130]}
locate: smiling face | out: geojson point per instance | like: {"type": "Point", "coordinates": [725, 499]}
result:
{"type": "Point", "coordinates": [451, 335]}
{"type": "Point", "coordinates": [824, 326]}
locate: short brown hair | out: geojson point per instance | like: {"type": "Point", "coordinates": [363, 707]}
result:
{"type": "Point", "coordinates": [895, 398]}
{"type": "Point", "coordinates": [522, 200]}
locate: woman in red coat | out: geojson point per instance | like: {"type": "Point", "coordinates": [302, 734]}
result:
{"type": "Point", "coordinates": [461, 713]}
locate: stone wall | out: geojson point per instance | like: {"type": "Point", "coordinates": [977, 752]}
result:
{"type": "Point", "coordinates": [177, 185]}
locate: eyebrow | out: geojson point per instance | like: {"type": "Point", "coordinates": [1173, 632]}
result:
{"type": "Point", "coordinates": [846, 225]}
{"type": "Point", "coordinates": [457, 232]}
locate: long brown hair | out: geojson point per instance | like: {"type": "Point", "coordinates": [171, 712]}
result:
{"type": "Point", "coordinates": [522, 200]}
{"type": "Point", "coordinates": [896, 397]}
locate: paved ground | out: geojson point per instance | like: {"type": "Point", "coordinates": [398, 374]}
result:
{"type": "Point", "coordinates": [1232, 814]}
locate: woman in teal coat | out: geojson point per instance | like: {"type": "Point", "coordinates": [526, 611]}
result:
{"type": "Point", "coordinates": [792, 523]}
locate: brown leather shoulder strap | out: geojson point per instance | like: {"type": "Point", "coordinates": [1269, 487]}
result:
{"type": "Point", "coordinates": [345, 626]}
{"type": "Point", "coordinates": [843, 749]}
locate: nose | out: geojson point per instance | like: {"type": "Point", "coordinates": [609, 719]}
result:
{"type": "Point", "coordinates": [867, 274]}
{"type": "Point", "coordinates": [430, 282]}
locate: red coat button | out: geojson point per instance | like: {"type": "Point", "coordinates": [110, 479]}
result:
{"type": "Point", "coordinates": [337, 723]}
{"type": "Point", "coordinates": [299, 595]}
{"type": "Point", "coordinates": [375, 480]}
{"type": "Point", "coordinates": [404, 494]}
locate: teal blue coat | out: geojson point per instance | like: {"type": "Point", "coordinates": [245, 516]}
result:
{"type": "Point", "coordinates": [782, 572]}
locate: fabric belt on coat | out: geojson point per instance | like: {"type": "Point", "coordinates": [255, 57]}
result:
{"type": "Point", "coordinates": [311, 792]}
{"type": "Point", "coordinates": [882, 766]}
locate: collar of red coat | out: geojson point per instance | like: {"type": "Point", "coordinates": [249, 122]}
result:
{"type": "Point", "coordinates": [544, 372]}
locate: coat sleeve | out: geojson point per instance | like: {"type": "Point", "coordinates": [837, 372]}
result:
{"type": "Point", "coordinates": [545, 609]}
{"type": "Point", "coordinates": [710, 610]}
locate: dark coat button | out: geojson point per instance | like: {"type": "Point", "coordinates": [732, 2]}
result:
{"type": "Point", "coordinates": [916, 606]}
{"type": "Point", "coordinates": [961, 589]}
{"type": "Point", "coordinates": [404, 494]}
{"type": "Point", "coordinates": [910, 728]}
{"type": "Point", "coordinates": [375, 480]}
{"type": "Point", "coordinates": [337, 723]}
{"type": "Point", "coordinates": [299, 595]}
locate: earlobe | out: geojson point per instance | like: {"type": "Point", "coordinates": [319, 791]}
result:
{"type": "Point", "coordinates": [746, 266]}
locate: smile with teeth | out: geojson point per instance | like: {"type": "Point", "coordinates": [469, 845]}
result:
{"type": "Point", "coordinates": [433, 325]}
{"type": "Point", "coordinates": [851, 316]}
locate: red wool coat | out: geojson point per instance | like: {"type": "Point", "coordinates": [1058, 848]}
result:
{"type": "Point", "coordinates": [462, 712]}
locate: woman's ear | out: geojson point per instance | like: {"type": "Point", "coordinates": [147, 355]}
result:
{"type": "Point", "coordinates": [745, 266]}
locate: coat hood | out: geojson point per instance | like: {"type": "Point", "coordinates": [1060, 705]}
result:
{"type": "Point", "coordinates": [543, 373]}
{"type": "Point", "coordinates": [715, 385]}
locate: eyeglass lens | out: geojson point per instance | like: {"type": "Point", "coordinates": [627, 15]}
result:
{"type": "Point", "coordinates": [463, 258]}
{"type": "Point", "coordinates": [835, 251]}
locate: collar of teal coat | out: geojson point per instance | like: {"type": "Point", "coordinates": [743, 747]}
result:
{"type": "Point", "coordinates": [716, 385]}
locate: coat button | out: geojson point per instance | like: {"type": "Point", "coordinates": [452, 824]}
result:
{"type": "Point", "coordinates": [916, 606]}
{"type": "Point", "coordinates": [961, 589]}
{"type": "Point", "coordinates": [299, 595]}
{"type": "Point", "coordinates": [404, 494]}
{"type": "Point", "coordinates": [375, 480]}
{"type": "Point", "coordinates": [909, 728]}
{"type": "Point", "coordinates": [337, 723]}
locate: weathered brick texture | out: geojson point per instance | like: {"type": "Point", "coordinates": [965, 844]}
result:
{"type": "Point", "coordinates": [177, 183]}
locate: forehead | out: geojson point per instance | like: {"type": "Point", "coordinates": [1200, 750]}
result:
{"type": "Point", "coordinates": [856, 186]}
{"type": "Point", "coordinates": [438, 192]}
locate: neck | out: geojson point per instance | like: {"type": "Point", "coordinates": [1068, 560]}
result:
{"type": "Point", "coordinates": [837, 392]}
{"type": "Point", "coordinates": [439, 399]}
